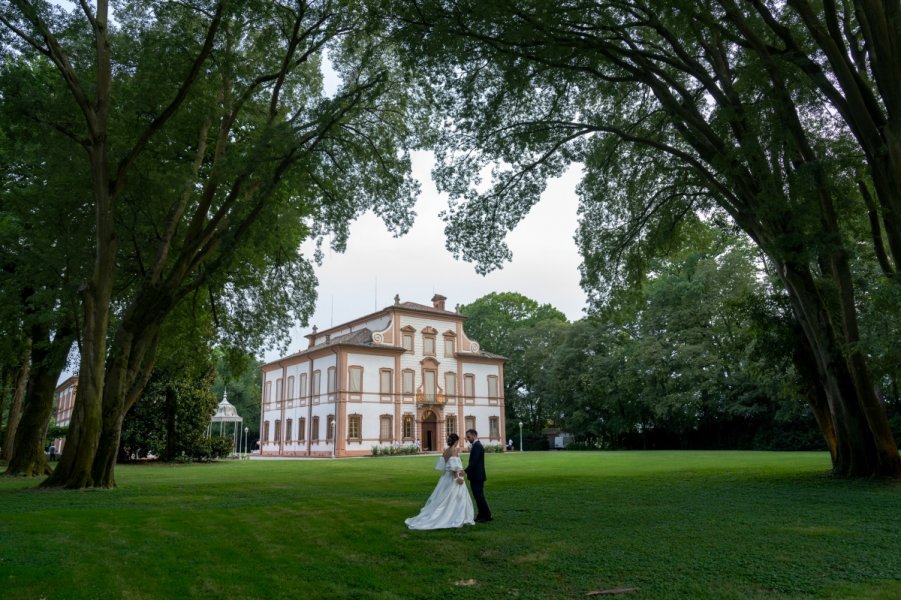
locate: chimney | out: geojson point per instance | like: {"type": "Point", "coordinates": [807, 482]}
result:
{"type": "Point", "coordinates": [438, 301]}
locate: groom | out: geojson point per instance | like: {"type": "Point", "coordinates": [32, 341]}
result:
{"type": "Point", "coordinates": [475, 471]}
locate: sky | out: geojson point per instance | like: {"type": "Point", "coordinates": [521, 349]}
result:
{"type": "Point", "coordinates": [416, 266]}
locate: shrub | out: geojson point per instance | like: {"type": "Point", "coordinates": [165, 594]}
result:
{"type": "Point", "coordinates": [221, 446]}
{"type": "Point", "coordinates": [392, 450]}
{"type": "Point", "coordinates": [580, 446]}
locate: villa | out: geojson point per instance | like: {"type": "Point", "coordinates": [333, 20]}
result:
{"type": "Point", "coordinates": [406, 374]}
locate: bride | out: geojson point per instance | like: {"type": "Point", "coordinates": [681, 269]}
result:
{"type": "Point", "coordinates": [449, 505]}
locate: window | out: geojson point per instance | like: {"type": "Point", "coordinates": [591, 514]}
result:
{"type": "Point", "coordinates": [279, 391]}
{"type": "Point", "coordinates": [303, 385]}
{"type": "Point", "coordinates": [408, 342]}
{"type": "Point", "coordinates": [430, 385]}
{"type": "Point", "coordinates": [332, 380]}
{"type": "Point", "coordinates": [469, 387]}
{"type": "Point", "coordinates": [266, 431]}
{"type": "Point", "coordinates": [330, 428]}
{"type": "Point", "coordinates": [278, 430]}
{"type": "Point", "coordinates": [386, 384]}
{"type": "Point", "coordinates": [267, 396]}
{"type": "Point", "coordinates": [409, 382]}
{"type": "Point", "coordinates": [494, 429]}
{"type": "Point", "coordinates": [451, 424]}
{"type": "Point", "coordinates": [470, 423]}
{"type": "Point", "coordinates": [355, 383]}
{"type": "Point", "coordinates": [354, 427]}
{"type": "Point", "coordinates": [386, 428]}
{"type": "Point", "coordinates": [302, 429]}
{"type": "Point", "coordinates": [428, 345]}
{"type": "Point", "coordinates": [314, 434]}
{"type": "Point", "coordinates": [317, 385]}
{"type": "Point", "coordinates": [407, 432]}
{"type": "Point", "coordinates": [492, 389]}
{"type": "Point", "coordinates": [289, 430]}
{"type": "Point", "coordinates": [291, 388]}
{"type": "Point", "coordinates": [449, 346]}
{"type": "Point", "coordinates": [450, 385]}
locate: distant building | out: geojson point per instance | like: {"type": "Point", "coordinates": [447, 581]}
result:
{"type": "Point", "coordinates": [406, 374]}
{"type": "Point", "coordinates": [64, 399]}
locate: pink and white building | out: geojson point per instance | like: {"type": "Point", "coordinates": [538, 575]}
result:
{"type": "Point", "coordinates": [406, 374]}
{"type": "Point", "coordinates": [65, 401]}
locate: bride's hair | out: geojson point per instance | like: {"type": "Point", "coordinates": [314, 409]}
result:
{"type": "Point", "coordinates": [452, 439]}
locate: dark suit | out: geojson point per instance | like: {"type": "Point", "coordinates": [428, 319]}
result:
{"type": "Point", "coordinates": [475, 471]}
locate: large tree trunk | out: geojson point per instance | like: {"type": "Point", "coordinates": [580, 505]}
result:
{"type": "Point", "coordinates": [128, 371]}
{"type": "Point", "coordinates": [814, 393]}
{"type": "Point", "coordinates": [858, 450]}
{"type": "Point", "coordinates": [15, 408]}
{"type": "Point", "coordinates": [48, 359]}
{"type": "Point", "coordinates": [74, 468]}
{"type": "Point", "coordinates": [27, 458]}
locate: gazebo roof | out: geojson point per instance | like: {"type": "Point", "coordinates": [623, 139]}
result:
{"type": "Point", "coordinates": [226, 413]}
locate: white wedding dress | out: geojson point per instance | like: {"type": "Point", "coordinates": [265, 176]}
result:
{"type": "Point", "coordinates": [449, 505]}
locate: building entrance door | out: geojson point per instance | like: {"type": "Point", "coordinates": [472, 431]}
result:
{"type": "Point", "coordinates": [429, 431]}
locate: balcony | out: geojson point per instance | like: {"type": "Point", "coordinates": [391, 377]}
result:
{"type": "Point", "coordinates": [430, 399]}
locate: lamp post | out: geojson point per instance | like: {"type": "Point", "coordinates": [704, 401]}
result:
{"type": "Point", "coordinates": [246, 430]}
{"type": "Point", "coordinates": [520, 436]}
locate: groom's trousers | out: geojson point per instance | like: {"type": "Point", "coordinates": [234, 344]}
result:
{"type": "Point", "coordinates": [478, 492]}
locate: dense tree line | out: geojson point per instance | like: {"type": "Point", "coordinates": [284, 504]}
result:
{"type": "Point", "coordinates": [700, 355]}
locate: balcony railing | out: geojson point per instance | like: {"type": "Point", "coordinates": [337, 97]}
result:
{"type": "Point", "coordinates": [430, 399]}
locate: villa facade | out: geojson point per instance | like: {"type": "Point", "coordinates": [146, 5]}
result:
{"type": "Point", "coordinates": [64, 399]}
{"type": "Point", "coordinates": [404, 375]}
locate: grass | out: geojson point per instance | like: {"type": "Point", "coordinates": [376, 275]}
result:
{"type": "Point", "coordinates": [669, 524]}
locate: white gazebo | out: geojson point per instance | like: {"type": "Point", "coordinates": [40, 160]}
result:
{"type": "Point", "coordinates": [227, 414]}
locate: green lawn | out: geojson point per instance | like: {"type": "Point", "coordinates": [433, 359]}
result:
{"type": "Point", "coordinates": [669, 524]}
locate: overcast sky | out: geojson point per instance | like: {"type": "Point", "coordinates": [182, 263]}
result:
{"type": "Point", "coordinates": [376, 266]}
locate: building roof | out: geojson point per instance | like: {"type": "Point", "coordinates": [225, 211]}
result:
{"type": "Point", "coordinates": [363, 337]}
{"type": "Point", "coordinates": [424, 308]}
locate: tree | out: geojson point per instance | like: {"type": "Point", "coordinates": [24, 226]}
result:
{"type": "Point", "coordinates": [700, 358]}
{"type": "Point", "coordinates": [500, 322]}
{"type": "Point", "coordinates": [239, 373]}
{"type": "Point", "coordinates": [531, 346]}
{"type": "Point", "coordinates": [224, 100]}
{"type": "Point", "coordinates": [172, 418]}
{"type": "Point", "coordinates": [674, 109]}
{"type": "Point", "coordinates": [41, 249]}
